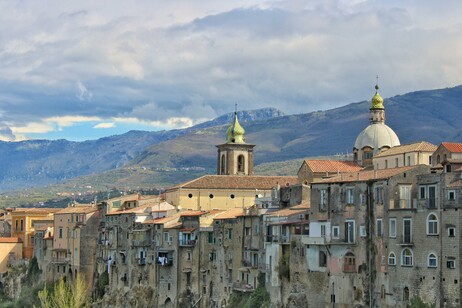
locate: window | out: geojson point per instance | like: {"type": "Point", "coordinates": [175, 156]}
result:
{"type": "Point", "coordinates": [190, 196]}
{"type": "Point", "coordinates": [60, 232]}
{"type": "Point", "coordinates": [232, 196]}
{"type": "Point", "coordinates": [350, 196]}
{"type": "Point", "coordinates": [406, 257]}
{"type": "Point", "coordinates": [240, 163]}
{"type": "Point", "coordinates": [451, 232]}
{"type": "Point", "coordinates": [323, 230]}
{"type": "Point", "coordinates": [406, 294]}
{"type": "Point", "coordinates": [407, 230]}
{"type": "Point", "coordinates": [166, 237]}
{"type": "Point", "coordinates": [379, 228]}
{"type": "Point", "coordinates": [362, 199]}
{"type": "Point", "coordinates": [222, 165]}
{"type": "Point", "coordinates": [322, 199]}
{"type": "Point", "coordinates": [367, 155]}
{"type": "Point", "coordinates": [336, 232]}
{"type": "Point", "coordinates": [451, 195]}
{"type": "Point", "coordinates": [322, 259]}
{"type": "Point", "coordinates": [210, 237]}
{"type": "Point", "coordinates": [422, 192]}
{"type": "Point", "coordinates": [432, 197]}
{"type": "Point", "coordinates": [396, 162]}
{"type": "Point", "coordinates": [22, 225]}
{"type": "Point", "coordinates": [451, 263]}
{"type": "Point", "coordinates": [409, 160]}
{"type": "Point", "coordinates": [429, 160]}
{"type": "Point", "coordinates": [392, 259]}
{"type": "Point", "coordinates": [230, 234]}
{"type": "Point", "coordinates": [349, 263]}
{"type": "Point", "coordinates": [378, 195]}
{"type": "Point", "coordinates": [211, 196]}
{"type": "Point", "coordinates": [432, 260]}
{"type": "Point", "coordinates": [386, 164]}
{"type": "Point", "coordinates": [405, 197]}
{"type": "Point", "coordinates": [362, 231]}
{"type": "Point", "coordinates": [350, 231]}
{"type": "Point", "coordinates": [392, 227]}
{"type": "Point", "coordinates": [448, 168]}
{"type": "Point", "coordinates": [432, 224]}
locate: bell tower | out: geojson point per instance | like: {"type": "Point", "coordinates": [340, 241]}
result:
{"type": "Point", "coordinates": [235, 157]}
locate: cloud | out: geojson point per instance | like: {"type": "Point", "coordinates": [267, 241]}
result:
{"type": "Point", "coordinates": [174, 63]}
{"type": "Point", "coordinates": [83, 94]}
{"type": "Point", "coordinates": [105, 125]}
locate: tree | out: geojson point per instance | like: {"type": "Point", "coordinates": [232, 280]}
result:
{"type": "Point", "coordinates": [65, 295]}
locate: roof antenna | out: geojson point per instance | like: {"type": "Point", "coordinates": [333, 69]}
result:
{"type": "Point", "coordinates": [377, 82]}
{"type": "Point", "coordinates": [235, 108]}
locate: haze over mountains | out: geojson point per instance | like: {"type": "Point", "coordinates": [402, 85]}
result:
{"type": "Point", "coordinates": [433, 115]}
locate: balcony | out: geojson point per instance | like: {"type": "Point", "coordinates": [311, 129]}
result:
{"type": "Point", "coordinates": [247, 263]}
{"type": "Point", "coordinates": [60, 260]}
{"type": "Point", "coordinates": [406, 240]}
{"type": "Point", "coordinates": [282, 239]}
{"type": "Point", "coordinates": [263, 267]}
{"type": "Point", "coordinates": [141, 243]}
{"type": "Point", "coordinates": [164, 260]}
{"type": "Point", "coordinates": [141, 261]}
{"type": "Point", "coordinates": [243, 287]}
{"type": "Point", "coordinates": [314, 240]}
{"type": "Point", "coordinates": [187, 243]}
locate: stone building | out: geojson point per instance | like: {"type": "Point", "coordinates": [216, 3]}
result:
{"type": "Point", "coordinates": [418, 153]}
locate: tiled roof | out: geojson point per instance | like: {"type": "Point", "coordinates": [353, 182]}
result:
{"type": "Point", "coordinates": [422, 146]}
{"type": "Point", "coordinates": [36, 210]}
{"type": "Point", "coordinates": [455, 184]}
{"type": "Point", "coordinates": [79, 209]}
{"type": "Point", "coordinates": [367, 175]}
{"type": "Point", "coordinates": [10, 240]}
{"type": "Point", "coordinates": [453, 147]}
{"type": "Point", "coordinates": [144, 209]}
{"type": "Point", "coordinates": [192, 213]}
{"type": "Point", "coordinates": [331, 166]}
{"type": "Point", "coordinates": [304, 205]}
{"type": "Point", "coordinates": [238, 182]}
{"type": "Point", "coordinates": [287, 212]}
{"type": "Point", "coordinates": [230, 214]}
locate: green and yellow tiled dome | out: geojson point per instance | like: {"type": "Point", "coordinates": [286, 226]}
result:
{"type": "Point", "coordinates": [235, 133]}
{"type": "Point", "coordinates": [377, 100]}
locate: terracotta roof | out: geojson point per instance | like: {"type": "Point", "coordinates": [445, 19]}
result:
{"type": "Point", "coordinates": [146, 209]}
{"type": "Point", "coordinates": [10, 240]}
{"type": "Point", "coordinates": [287, 212]}
{"type": "Point", "coordinates": [207, 220]}
{"type": "Point", "coordinates": [453, 161]}
{"type": "Point", "coordinates": [304, 205]}
{"type": "Point", "coordinates": [164, 219]}
{"type": "Point", "coordinates": [367, 175]}
{"type": "Point", "coordinates": [192, 213]}
{"type": "Point", "coordinates": [230, 214]}
{"type": "Point", "coordinates": [422, 146]}
{"type": "Point", "coordinates": [455, 184]}
{"type": "Point", "coordinates": [187, 229]}
{"type": "Point", "coordinates": [36, 210]}
{"type": "Point", "coordinates": [452, 147]}
{"type": "Point", "coordinates": [79, 209]}
{"type": "Point", "coordinates": [238, 182]}
{"type": "Point", "coordinates": [332, 166]}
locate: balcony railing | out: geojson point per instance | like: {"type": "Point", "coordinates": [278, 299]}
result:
{"type": "Point", "coordinates": [277, 239]}
{"type": "Point", "coordinates": [141, 243]}
{"type": "Point", "coordinates": [243, 287]}
{"type": "Point", "coordinates": [247, 263]}
{"type": "Point", "coordinates": [60, 260]}
{"type": "Point", "coordinates": [164, 261]}
{"type": "Point", "coordinates": [187, 243]}
{"type": "Point", "coordinates": [141, 261]}
{"type": "Point", "coordinates": [263, 267]}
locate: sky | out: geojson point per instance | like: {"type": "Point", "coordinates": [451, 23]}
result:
{"type": "Point", "coordinates": [84, 69]}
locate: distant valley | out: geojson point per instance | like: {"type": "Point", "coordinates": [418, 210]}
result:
{"type": "Point", "coordinates": [139, 159]}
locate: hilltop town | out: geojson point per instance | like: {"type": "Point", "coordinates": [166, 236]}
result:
{"type": "Point", "coordinates": [377, 231]}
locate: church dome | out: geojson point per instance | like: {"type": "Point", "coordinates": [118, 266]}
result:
{"type": "Point", "coordinates": [377, 100]}
{"type": "Point", "coordinates": [235, 132]}
{"type": "Point", "coordinates": [376, 136]}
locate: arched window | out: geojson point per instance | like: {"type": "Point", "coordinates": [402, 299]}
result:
{"type": "Point", "coordinates": [349, 263]}
{"type": "Point", "coordinates": [223, 164]}
{"type": "Point", "coordinates": [432, 260]}
{"type": "Point", "coordinates": [392, 258]}
{"type": "Point", "coordinates": [432, 224]}
{"type": "Point", "coordinates": [240, 163]}
{"type": "Point", "coordinates": [406, 294]}
{"type": "Point", "coordinates": [322, 259]}
{"type": "Point", "coordinates": [406, 257]}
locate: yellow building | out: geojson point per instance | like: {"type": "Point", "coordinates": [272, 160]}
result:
{"type": "Point", "coordinates": [23, 220]}
{"type": "Point", "coordinates": [234, 185]}
{"type": "Point", "coordinates": [75, 237]}
{"type": "Point", "coordinates": [10, 250]}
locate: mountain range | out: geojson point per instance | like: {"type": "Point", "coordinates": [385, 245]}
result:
{"type": "Point", "coordinates": [176, 155]}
